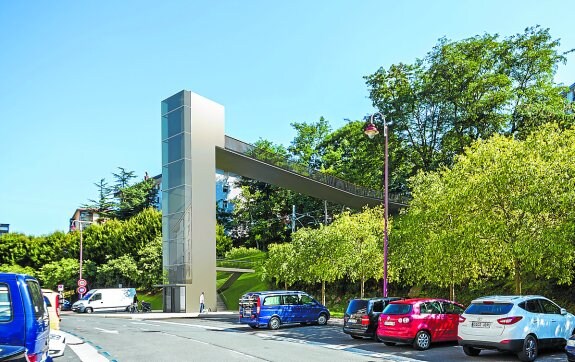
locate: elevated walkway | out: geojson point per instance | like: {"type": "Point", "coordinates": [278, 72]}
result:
{"type": "Point", "coordinates": [244, 159]}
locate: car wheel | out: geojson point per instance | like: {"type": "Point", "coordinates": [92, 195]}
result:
{"type": "Point", "coordinates": [422, 341]}
{"type": "Point", "coordinates": [274, 323]}
{"type": "Point", "coordinates": [355, 337]}
{"type": "Point", "coordinates": [88, 310]}
{"type": "Point", "coordinates": [470, 351]}
{"type": "Point", "coordinates": [322, 319]}
{"type": "Point", "coordinates": [389, 344]}
{"type": "Point", "coordinates": [529, 351]}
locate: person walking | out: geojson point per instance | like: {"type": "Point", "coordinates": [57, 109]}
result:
{"type": "Point", "coordinates": [134, 304]}
{"type": "Point", "coordinates": [202, 302]}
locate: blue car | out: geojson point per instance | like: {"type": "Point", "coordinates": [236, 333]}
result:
{"type": "Point", "coordinates": [570, 349]}
{"type": "Point", "coordinates": [65, 304]}
{"type": "Point", "coordinates": [273, 308]}
{"type": "Point", "coordinates": [24, 320]}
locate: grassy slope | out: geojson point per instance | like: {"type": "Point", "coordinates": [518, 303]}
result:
{"type": "Point", "coordinates": [338, 294]}
{"type": "Point", "coordinates": [248, 282]}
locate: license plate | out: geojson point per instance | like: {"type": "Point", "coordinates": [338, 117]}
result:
{"type": "Point", "coordinates": [351, 321]}
{"type": "Point", "coordinates": [247, 312]}
{"type": "Point", "coordinates": [389, 323]}
{"type": "Point", "coordinates": [480, 324]}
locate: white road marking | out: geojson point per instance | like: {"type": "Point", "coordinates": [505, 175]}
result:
{"type": "Point", "coordinates": [146, 324]}
{"type": "Point", "coordinates": [195, 325]}
{"type": "Point", "coordinates": [106, 331]}
{"type": "Point", "coordinates": [84, 351]}
{"type": "Point", "coordinates": [341, 347]}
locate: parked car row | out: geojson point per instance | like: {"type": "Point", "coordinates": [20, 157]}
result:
{"type": "Point", "coordinates": [518, 324]}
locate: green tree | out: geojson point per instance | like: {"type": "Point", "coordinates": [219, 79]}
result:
{"type": "Point", "coordinates": [503, 209]}
{"type": "Point", "coordinates": [223, 241]}
{"type": "Point", "coordinates": [361, 237]}
{"type": "Point", "coordinates": [104, 205]}
{"type": "Point", "coordinates": [280, 264]}
{"type": "Point", "coordinates": [149, 263]}
{"type": "Point", "coordinates": [14, 268]}
{"type": "Point", "coordinates": [122, 270]}
{"type": "Point", "coordinates": [468, 90]}
{"type": "Point", "coordinates": [321, 259]}
{"type": "Point", "coordinates": [305, 145]}
{"type": "Point", "coordinates": [64, 271]}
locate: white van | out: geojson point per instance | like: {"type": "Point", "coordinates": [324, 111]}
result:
{"type": "Point", "coordinates": [117, 299]}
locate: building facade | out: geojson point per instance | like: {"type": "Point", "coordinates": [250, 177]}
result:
{"type": "Point", "coordinates": [571, 93]}
{"type": "Point", "coordinates": [4, 228]}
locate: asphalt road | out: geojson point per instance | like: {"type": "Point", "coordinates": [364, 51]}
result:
{"type": "Point", "coordinates": [221, 338]}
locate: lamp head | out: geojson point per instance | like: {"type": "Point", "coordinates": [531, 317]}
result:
{"type": "Point", "coordinates": [371, 131]}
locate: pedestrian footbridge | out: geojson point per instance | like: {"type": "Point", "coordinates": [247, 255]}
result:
{"type": "Point", "coordinates": [246, 160]}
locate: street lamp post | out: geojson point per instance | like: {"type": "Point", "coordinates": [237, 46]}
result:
{"type": "Point", "coordinates": [371, 131]}
{"type": "Point", "coordinates": [79, 223]}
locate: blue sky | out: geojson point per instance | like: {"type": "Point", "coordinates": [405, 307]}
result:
{"type": "Point", "coordinates": [81, 82]}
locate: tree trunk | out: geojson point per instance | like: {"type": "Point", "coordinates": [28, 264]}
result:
{"type": "Point", "coordinates": [452, 291]}
{"type": "Point", "coordinates": [285, 283]}
{"type": "Point", "coordinates": [362, 285]}
{"type": "Point", "coordinates": [323, 292]}
{"type": "Point", "coordinates": [517, 276]}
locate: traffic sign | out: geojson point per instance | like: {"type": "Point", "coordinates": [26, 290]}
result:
{"type": "Point", "coordinates": [60, 287]}
{"type": "Point", "coordinates": [81, 290]}
{"type": "Point", "coordinates": [82, 282]}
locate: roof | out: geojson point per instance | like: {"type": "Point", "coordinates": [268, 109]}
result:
{"type": "Point", "coordinates": [506, 298]}
{"type": "Point", "coordinates": [419, 300]}
{"type": "Point", "coordinates": [278, 292]}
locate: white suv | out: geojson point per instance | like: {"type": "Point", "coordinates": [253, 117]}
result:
{"type": "Point", "coordinates": [520, 324]}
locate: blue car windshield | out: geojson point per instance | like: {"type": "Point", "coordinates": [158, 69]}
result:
{"type": "Point", "coordinates": [87, 296]}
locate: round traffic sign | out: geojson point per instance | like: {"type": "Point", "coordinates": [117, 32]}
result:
{"type": "Point", "coordinates": [82, 282]}
{"type": "Point", "coordinates": [81, 290]}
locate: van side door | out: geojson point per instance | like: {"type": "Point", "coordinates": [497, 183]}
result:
{"type": "Point", "coordinates": [291, 308]}
{"type": "Point", "coordinates": [37, 320]}
{"type": "Point", "coordinates": [12, 317]}
{"type": "Point", "coordinates": [310, 308]}
{"type": "Point", "coordinates": [96, 302]}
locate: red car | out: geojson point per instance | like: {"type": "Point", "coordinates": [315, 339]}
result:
{"type": "Point", "coordinates": [419, 322]}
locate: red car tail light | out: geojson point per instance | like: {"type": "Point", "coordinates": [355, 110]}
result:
{"type": "Point", "coordinates": [461, 319]}
{"type": "Point", "coordinates": [509, 320]}
{"type": "Point", "coordinates": [258, 305]}
{"type": "Point", "coordinates": [365, 320]}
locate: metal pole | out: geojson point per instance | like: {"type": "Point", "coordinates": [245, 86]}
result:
{"type": "Point", "coordinates": [81, 248]}
{"type": "Point", "coordinates": [293, 218]}
{"type": "Point", "coordinates": [385, 216]}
